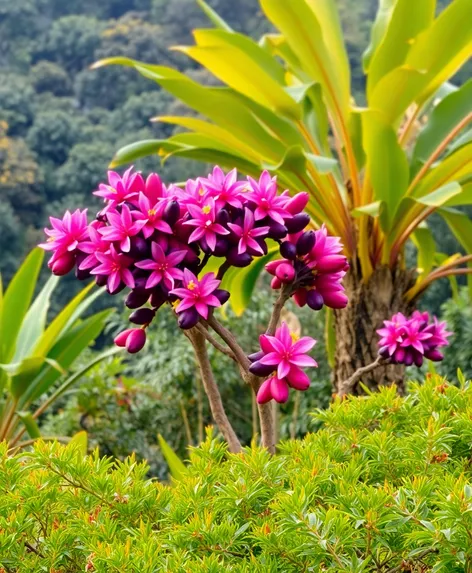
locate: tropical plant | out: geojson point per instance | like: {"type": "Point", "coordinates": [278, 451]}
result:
{"type": "Point", "coordinates": [374, 173]}
{"type": "Point", "coordinates": [383, 487]}
{"type": "Point", "coordinates": [34, 355]}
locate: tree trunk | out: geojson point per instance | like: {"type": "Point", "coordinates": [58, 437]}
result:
{"type": "Point", "coordinates": [356, 339]}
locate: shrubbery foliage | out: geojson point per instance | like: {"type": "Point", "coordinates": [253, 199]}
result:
{"type": "Point", "coordinates": [384, 486]}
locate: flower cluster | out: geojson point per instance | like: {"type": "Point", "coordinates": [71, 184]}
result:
{"type": "Point", "coordinates": [313, 262]}
{"type": "Point", "coordinates": [157, 240]}
{"type": "Point", "coordinates": [282, 358]}
{"type": "Point", "coordinates": [409, 340]}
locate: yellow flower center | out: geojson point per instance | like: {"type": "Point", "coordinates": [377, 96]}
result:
{"type": "Point", "coordinates": [206, 209]}
{"type": "Point", "coordinates": [191, 285]}
{"type": "Point", "coordinates": [175, 304]}
{"type": "Point", "coordinates": [201, 192]}
{"type": "Point", "coordinates": [151, 212]}
{"type": "Point", "coordinates": [294, 337]}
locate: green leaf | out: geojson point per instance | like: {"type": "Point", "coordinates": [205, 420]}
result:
{"type": "Point", "coordinates": [137, 150]}
{"type": "Point", "coordinates": [386, 163]}
{"type": "Point", "coordinates": [424, 241]}
{"type": "Point", "coordinates": [22, 374]}
{"type": "Point", "coordinates": [80, 441]}
{"type": "Point", "coordinates": [371, 209]}
{"type": "Point", "coordinates": [441, 196]}
{"type": "Point", "coordinates": [16, 302]}
{"type": "Point", "coordinates": [215, 18]}
{"type": "Point", "coordinates": [382, 19]}
{"type": "Point", "coordinates": [330, 336]}
{"type": "Point", "coordinates": [453, 110]}
{"type": "Point", "coordinates": [176, 466]}
{"type": "Point", "coordinates": [460, 225]}
{"type": "Point", "coordinates": [463, 198]}
{"type": "Point", "coordinates": [407, 20]}
{"type": "Point", "coordinates": [30, 424]}
{"type": "Point", "coordinates": [253, 72]}
{"type": "Point", "coordinates": [34, 322]}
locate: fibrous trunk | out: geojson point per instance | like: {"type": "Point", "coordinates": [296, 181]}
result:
{"type": "Point", "coordinates": [370, 303]}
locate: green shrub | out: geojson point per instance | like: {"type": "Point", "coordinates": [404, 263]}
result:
{"type": "Point", "coordinates": [384, 486]}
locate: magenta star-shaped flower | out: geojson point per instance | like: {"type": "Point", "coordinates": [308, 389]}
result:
{"type": "Point", "coordinates": [162, 267]}
{"type": "Point", "coordinates": [114, 265]}
{"type": "Point", "coordinates": [285, 353]}
{"type": "Point", "coordinates": [264, 195]}
{"type": "Point", "coordinates": [247, 233]}
{"type": "Point", "coordinates": [415, 335]}
{"type": "Point", "coordinates": [392, 333]}
{"type": "Point", "coordinates": [121, 228]}
{"type": "Point", "coordinates": [152, 215]}
{"type": "Point", "coordinates": [68, 233]}
{"type": "Point", "coordinates": [225, 189]}
{"type": "Point", "coordinates": [204, 221]}
{"type": "Point", "coordinates": [95, 245]}
{"type": "Point", "coordinates": [197, 293]}
{"type": "Point", "coordinates": [120, 189]}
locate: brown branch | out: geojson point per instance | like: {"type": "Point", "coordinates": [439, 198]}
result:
{"type": "Point", "coordinates": [348, 385]}
{"type": "Point", "coordinates": [197, 338]}
{"type": "Point", "coordinates": [418, 557]}
{"type": "Point", "coordinates": [220, 347]}
{"type": "Point", "coordinates": [231, 341]}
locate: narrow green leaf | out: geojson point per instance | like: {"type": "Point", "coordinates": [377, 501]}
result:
{"type": "Point", "coordinates": [215, 18]}
{"type": "Point", "coordinates": [441, 196]}
{"type": "Point", "coordinates": [137, 150]}
{"type": "Point", "coordinates": [424, 241]}
{"type": "Point", "coordinates": [16, 302]}
{"type": "Point", "coordinates": [371, 209]}
{"type": "Point", "coordinates": [460, 225]}
{"type": "Point", "coordinates": [176, 466]}
{"type": "Point", "coordinates": [330, 337]}
{"type": "Point", "coordinates": [80, 441]}
{"type": "Point", "coordinates": [23, 374]}
{"type": "Point", "coordinates": [30, 424]}
{"type": "Point", "coordinates": [382, 19]}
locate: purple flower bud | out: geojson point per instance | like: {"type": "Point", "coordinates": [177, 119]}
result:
{"type": "Point", "coordinates": [306, 242]}
{"type": "Point", "coordinates": [399, 355]}
{"type": "Point", "coordinates": [188, 318]}
{"type": "Point", "coordinates": [158, 298]}
{"type": "Point", "coordinates": [260, 369]}
{"type": "Point", "coordinates": [136, 340]}
{"type": "Point", "coordinates": [418, 359]}
{"type": "Point", "coordinates": [408, 360]}
{"type": "Point", "coordinates": [222, 217]}
{"type": "Point", "coordinates": [297, 223]}
{"type": "Point", "coordinates": [118, 289]}
{"type": "Point", "coordinates": [383, 352]}
{"type": "Point", "coordinates": [221, 295]}
{"type": "Point", "coordinates": [221, 247]}
{"type": "Point", "coordinates": [171, 213]}
{"type": "Point", "coordinates": [238, 260]}
{"type": "Point", "coordinates": [434, 355]}
{"type": "Point", "coordinates": [139, 248]}
{"type": "Point", "coordinates": [142, 316]}
{"type": "Point", "coordinates": [140, 282]}
{"type": "Point", "coordinates": [120, 340]}
{"type": "Point", "coordinates": [297, 203]}
{"type": "Point", "coordinates": [285, 272]}
{"type": "Point", "coordinates": [314, 300]}
{"type": "Point", "coordinates": [275, 283]}
{"type": "Point", "coordinates": [137, 298]}
{"type": "Point", "coordinates": [101, 280]}
{"type": "Point", "coordinates": [256, 356]}
{"type": "Point", "coordinates": [288, 250]}
{"type": "Point", "coordinates": [204, 246]}
{"type": "Point", "coordinates": [277, 231]}
{"type": "Point", "coordinates": [63, 264]}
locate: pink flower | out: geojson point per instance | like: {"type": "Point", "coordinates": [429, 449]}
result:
{"type": "Point", "coordinates": [225, 189]}
{"type": "Point", "coordinates": [154, 189]}
{"type": "Point", "coordinates": [68, 233]}
{"type": "Point", "coordinates": [204, 221]}
{"type": "Point", "coordinates": [162, 267]}
{"type": "Point", "coordinates": [197, 293]}
{"type": "Point", "coordinates": [115, 266]}
{"type": "Point", "coordinates": [152, 215]}
{"type": "Point", "coordinates": [121, 228]}
{"type": "Point", "coordinates": [95, 245]}
{"type": "Point", "coordinates": [120, 189]}
{"type": "Point", "coordinates": [415, 335]}
{"type": "Point", "coordinates": [273, 389]}
{"type": "Point", "coordinates": [264, 195]}
{"type": "Point", "coordinates": [392, 333]}
{"type": "Point", "coordinates": [248, 232]}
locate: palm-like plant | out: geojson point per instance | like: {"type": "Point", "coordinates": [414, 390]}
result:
{"type": "Point", "coordinates": [34, 355]}
{"type": "Point", "coordinates": [375, 173]}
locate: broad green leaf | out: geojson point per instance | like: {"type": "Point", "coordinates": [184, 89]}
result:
{"type": "Point", "coordinates": [80, 441]}
{"type": "Point", "coordinates": [452, 112]}
{"type": "Point", "coordinates": [65, 352]}
{"type": "Point", "coordinates": [215, 18]}
{"type": "Point", "coordinates": [30, 424]}
{"type": "Point", "coordinates": [253, 72]}
{"type": "Point", "coordinates": [23, 374]}
{"type": "Point", "coordinates": [441, 196]}
{"type": "Point", "coordinates": [176, 466]}
{"type": "Point", "coordinates": [315, 116]}
{"type": "Point", "coordinates": [330, 336]}
{"type": "Point", "coordinates": [462, 140]}
{"type": "Point", "coordinates": [454, 167]}
{"type": "Point", "coordinates": [463, 198]}
{"type": "Point", "coordinates": [57, 326]}
{"type": "Point", "coordinates": [137, 150]}
{"type": "Point", "coordinates": [16, 302]}
{"type": "Point", "coordinates": [382, 19]}
{"type": "Point", "coordinates": [407, 20]}
{"type": "Point", "coordinates": [35, 321]}
{"type": "Point", "coordinates": [424, 241]}
{"type": "Point", "coordinates": [355, 134]}
{"type": "Point", "coordinates": [460, 225]}
{"type": "Point", "coordinates": [386, 164]}
{"type": "Point", "coordinates": [437, 53]}
{"type": "Point", "coordinates": [301, 25]}
{"type": "Point", "coordinates": [371, 209]}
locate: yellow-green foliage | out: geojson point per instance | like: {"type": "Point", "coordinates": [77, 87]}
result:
{"type": "Point", "coordinates": [384, 486]}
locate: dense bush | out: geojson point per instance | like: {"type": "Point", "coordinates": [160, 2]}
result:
{"type": "Point", "coordinates": [384, 486]}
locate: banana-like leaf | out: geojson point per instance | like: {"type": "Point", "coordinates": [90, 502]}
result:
{"type": "Point", "coordinates": [379, 27]}
{"type": "Point", "coordinates": [34, 322]}
{"type": "Point", "coordinates": [424, 241]}
{"type": "Point", "coordinates": [30, 424]}
{"type": "Point", "coordinates": [16, 302]}
{"type": "Point", "coordinates": [441, 196]}
{"type": "Point", "coordinates": [21, 374]}
{"type": "Point", "coordinates": [408, 19]}
{"type": "Point", "coordinates": [176, 466]}
{"type": "Point", "coordinates": [433, 58]}
{"type": "Point", "coordinates": [463, 198]}
{"type": "Point", "coordinates": [450, 116]}
{"type": "Point", "coordinates": [460, 225]}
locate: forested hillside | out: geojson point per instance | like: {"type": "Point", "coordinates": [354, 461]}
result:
{"type": "Point", "coordinates": [61, 122]}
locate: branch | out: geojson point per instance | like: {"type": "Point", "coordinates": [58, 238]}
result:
{"type": "Point", "coordinates": [283, 297]}
{"type": "Point", "coordinates": [215, 342]}
{"type": "Point", "coordinates": [231, 341]}
{"type": "Point", "coordinates": [348, 385]}
{"type": "Point", "coordinates": [197, 338]}
{"type": "Point", "coordinates": [418, 557]}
